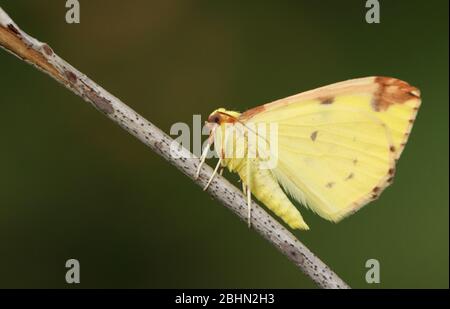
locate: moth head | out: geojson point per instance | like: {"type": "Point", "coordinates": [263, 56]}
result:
{"type": "Point", "coordinates": [221, 115]}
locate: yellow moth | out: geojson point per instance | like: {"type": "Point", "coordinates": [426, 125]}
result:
{"type": "Point", "coordinates": [336, 146]}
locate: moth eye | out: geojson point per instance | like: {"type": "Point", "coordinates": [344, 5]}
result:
{"type": "Point", "coordinates": [216, 119]}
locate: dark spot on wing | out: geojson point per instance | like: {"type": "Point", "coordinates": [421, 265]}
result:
{"type": "Point", "coordinates": [326, 100]}
{"type": "Point", "coordinates": [330, 185]}
{"type": "Point", "coordinates": [392, 149]}
{"type": "Point", "coordinates": [314, 136]}
{"type": "Point", "coordinates": [350, 176]}
{"type": "Point", "coordinates": [376, 192]}
{"type": "Point", "coordinates": [355, 161]}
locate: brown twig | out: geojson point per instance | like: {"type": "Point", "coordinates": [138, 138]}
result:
{"type": "Point", "coordinates": [20, 44]}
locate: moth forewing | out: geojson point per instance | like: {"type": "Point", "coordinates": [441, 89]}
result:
{"type": "Point", "coordinates": [333, 148]}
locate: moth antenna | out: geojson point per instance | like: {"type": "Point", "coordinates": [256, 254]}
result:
{"type": "Point", "coordinates": [213, 174]}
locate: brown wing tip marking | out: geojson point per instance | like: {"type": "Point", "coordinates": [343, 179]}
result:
{"type": "Point", "coordinates": [392, 91]}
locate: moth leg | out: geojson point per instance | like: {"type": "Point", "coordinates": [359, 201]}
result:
{"type": "Point", "coordinates": [249, 192]}
{"type": "Point", "coordinates": [244, 189]}
{"type": "Point", "coordinates": [249, 204]}
{"type": "Point", "coordinates": [213, 174]}
{"type": "Point", "coordinates": [202, 159]}
{"type": "Point", "coordinates": [221, 171]}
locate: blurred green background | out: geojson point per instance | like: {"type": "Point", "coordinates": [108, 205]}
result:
{"type": "Point", "coordinates": [75, 185]}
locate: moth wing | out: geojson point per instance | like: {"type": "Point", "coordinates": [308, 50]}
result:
{"type": "Point", "coordinates": [338, 145]}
